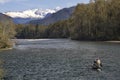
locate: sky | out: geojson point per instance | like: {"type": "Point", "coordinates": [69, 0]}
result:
{"type": "Point", "coordinates": [20, 5]}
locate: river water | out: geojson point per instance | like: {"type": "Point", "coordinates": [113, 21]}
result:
{"type": "Point", "coordinates": [60, 59]}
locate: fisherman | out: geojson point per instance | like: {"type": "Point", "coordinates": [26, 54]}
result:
{"type": "Point", "coordinates": [97, 65]}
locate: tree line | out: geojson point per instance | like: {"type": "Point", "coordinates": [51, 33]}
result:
{"type": "Point", "coordinates": [29, 31]}
{"type": "Point", "coordinates": [97, 20]}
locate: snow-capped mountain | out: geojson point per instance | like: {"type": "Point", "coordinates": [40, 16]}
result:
{"type": "Point", "coordinates": [31, 14]}
{"type": "Point", "coordinates": [60, 15]}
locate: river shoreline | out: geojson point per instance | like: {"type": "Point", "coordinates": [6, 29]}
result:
{"type": "Point", "coordinates": [113, 41]}
{"type": "Point", "coordinates": [15, 41]}
{"type": "Point", "coordinates": [5, 49]}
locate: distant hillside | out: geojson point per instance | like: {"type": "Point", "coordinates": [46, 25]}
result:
{"type": "Point", "coordinates": [7, 23]}
{"type": "Point", "coordinates": [7, 31]}
{"type": "Point", "coordinates": [22, 17]}
{"type": "Point", "coordinates": [4, 18]}
{"type": "Point", "coordinates": [22, 20]}
{"type": "Point", "coordinates": [52, 18]}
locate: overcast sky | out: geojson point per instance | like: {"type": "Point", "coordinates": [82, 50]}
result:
{"type": "Point", "coordinates": [19, 5]}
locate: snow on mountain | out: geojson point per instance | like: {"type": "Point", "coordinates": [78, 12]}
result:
{"type": "Point", "coordinates": [32, 13]}
{"type": "Point", "coordinates": [60, 15]}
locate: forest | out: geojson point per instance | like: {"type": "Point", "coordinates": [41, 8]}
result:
{"type": "Point", "coordinates": [99, 20]}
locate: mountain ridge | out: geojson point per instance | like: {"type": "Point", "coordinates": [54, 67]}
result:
{"type": "Point", "coordinates": [4, 18]}
{"type": "Point", "coordinates": [62, 14]}
{"type": "Point", "coordinates": [41, 16]}
{"type": "Point", "coordinates": [21, 17]}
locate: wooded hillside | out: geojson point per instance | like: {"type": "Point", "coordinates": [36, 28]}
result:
{"type": "Point", "coordinates": [7, 31]}
{"type": "Point", "coordinates": [97, 20]}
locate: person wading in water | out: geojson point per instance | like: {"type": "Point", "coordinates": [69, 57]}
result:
{"type": "Point", "coordinates": [97, 65]}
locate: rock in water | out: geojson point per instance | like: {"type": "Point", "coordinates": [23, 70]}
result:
{"type": "Point", "coordinates": [99, 70]}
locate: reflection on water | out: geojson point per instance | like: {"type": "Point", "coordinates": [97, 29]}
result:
{"type": "Point", "coordinates": [60, 59]}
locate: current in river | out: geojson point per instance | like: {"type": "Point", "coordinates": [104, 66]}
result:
{"type": "Point", "coordinates": [60, 59]}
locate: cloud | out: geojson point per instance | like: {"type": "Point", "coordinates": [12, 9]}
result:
{"type": "Point", "coordinates": [5, 1]}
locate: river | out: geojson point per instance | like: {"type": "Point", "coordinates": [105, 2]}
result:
{"type": "Point", "coordinates": [60, 59]}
